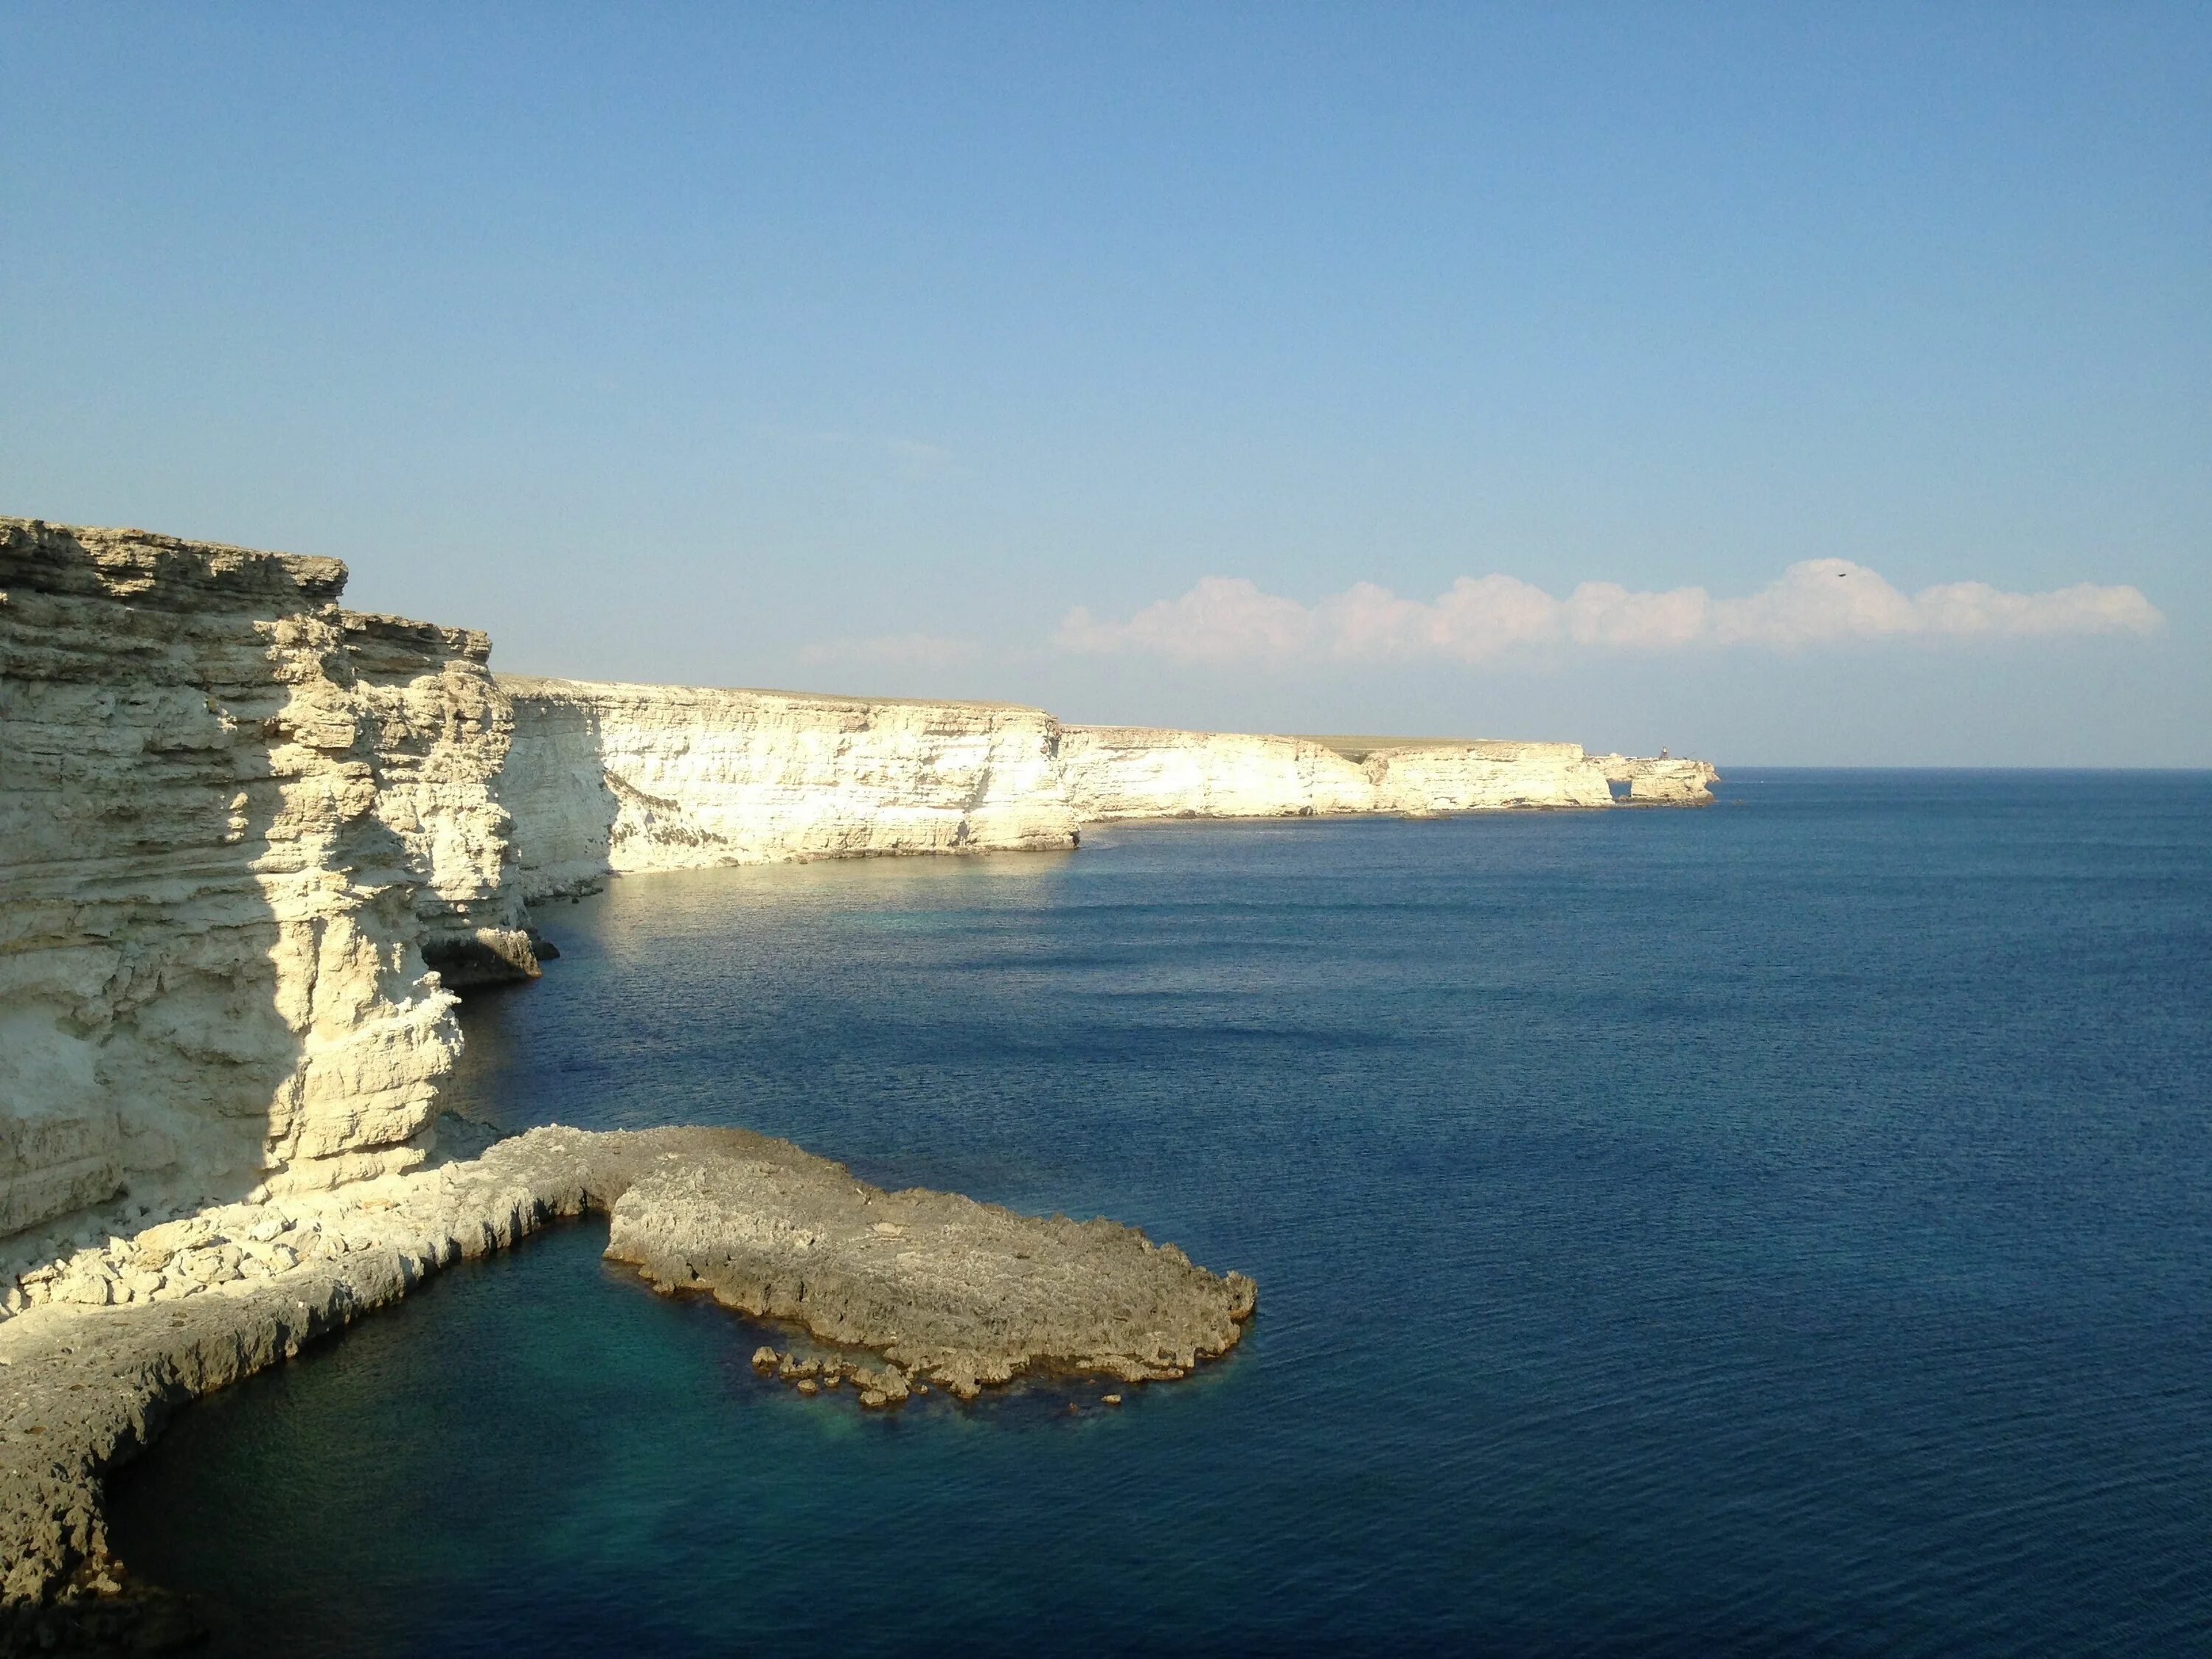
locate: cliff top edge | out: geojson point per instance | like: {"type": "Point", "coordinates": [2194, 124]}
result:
{"type": "Point", "coordinates": [127, 563]}
{"type": "Point", "coordinates": [546, 686]}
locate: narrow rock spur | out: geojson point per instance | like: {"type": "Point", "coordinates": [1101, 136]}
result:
{"type": "Point", "coordinates": [944, 1289]}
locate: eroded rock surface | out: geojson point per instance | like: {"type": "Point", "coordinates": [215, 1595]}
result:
{"type": "Point", "coordinates": [941, 1288]}
{"type": "Point", "coordinates": [1665, 781]}
{"type": "Point", "coordinates": [234, 820]}
{"type": "Point", "coordinates": [603, 779]}
{"type": "Point", "coordinates": [609, 778]}
{"type": "Point", "coordinates": [1144, 772]}
{"type": "Point", "coordinates": [962, 1292]}
{"type": "Point", "coordinates": [1485, 775]}
{"type": "Point", "coordinates": [1147, 772]}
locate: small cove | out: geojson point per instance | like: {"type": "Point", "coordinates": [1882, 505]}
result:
{"type": "Point", "coordinates": [1781, 1226]}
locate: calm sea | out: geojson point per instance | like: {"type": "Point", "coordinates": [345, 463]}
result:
{"type": "Point", "coordinates": [1783, 1228]}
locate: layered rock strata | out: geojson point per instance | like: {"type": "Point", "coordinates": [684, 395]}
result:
{"type": "Point", "coordinates": [964, 1293]}
{"type": "Point", "coordinates": [612, 778]}
{"type": "Point", "coordinates": [233, 818]}
{"type": "Point", "coordinates": [941, 1288]}
{"type": "Point", "coordinates": [1148, 772]}
{"type": "Point", "coordinates": [240, 825]}
{"type": "Point", "coordinates": [1485, 775]}
{"type": "Point", "coordinates": [441, 731]}
{"type": "Point", "coordinates": [1140, 772]}
{"type": "Point", "coordinates": [603, 779]}
{"type": "Point", "coordinates": [1665, 781]}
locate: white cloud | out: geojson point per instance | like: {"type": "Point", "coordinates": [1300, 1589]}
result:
{"type": "Point", "coordinates": [893, 650]}
{"type": "Point", "coordinates": [1225, 619]}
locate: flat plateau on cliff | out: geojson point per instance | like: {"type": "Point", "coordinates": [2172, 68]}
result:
{"type": "Point", "coordinates": [545, 685]}
{"type": "Point", "coordinates": [1359, 748]}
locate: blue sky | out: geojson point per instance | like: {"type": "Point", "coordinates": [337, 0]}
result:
{"type": "Point", "coordinates": [1453, 369]}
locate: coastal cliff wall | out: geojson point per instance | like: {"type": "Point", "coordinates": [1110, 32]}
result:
{"type": "Point", "coordinates": [250, 841]}
{"type": "Point", "coordinates": [607, 777]}
{"type": "Point", "coordinates": [233, 817]}
{"type": "Point", "coordinates": [1665, 781]}
{"type": "Point", "coordinates": [1133, 772]}
{"type": "Point", "coordinates": [1148, 772]}
{"type": "Point", "coordinates": [1485, 776]}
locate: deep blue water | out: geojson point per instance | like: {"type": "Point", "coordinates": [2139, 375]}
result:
{"type": "Point", "coordinates": [1786, 1227]}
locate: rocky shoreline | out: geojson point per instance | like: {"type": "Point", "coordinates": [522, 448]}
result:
{"type": "Point", "coordinates": [250, 843]}
{"type": "Point", "coordinates": [939, 1289]}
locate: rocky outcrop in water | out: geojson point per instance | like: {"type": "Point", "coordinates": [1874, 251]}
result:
{"type": "Point", "coordinates": [614, 778]}
{"type": "Point", "coordinates": [237, 822]}
{"type": "Point", "coordinates": [1665, 781]}
{"type": "Point", "coordinates": [936, 1286]}
{"type": "Point", "coordinates": [962, 1292]}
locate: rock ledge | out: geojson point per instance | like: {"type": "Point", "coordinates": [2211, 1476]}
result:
{"type": "Point", "coordinates": [943, 1288]}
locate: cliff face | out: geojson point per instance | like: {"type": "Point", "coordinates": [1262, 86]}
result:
{"type": "Point", "coordinates": [602, 778]}
{"type": "Point", "coordinates": [232, 817]}
{"type": "Point", "coordinates": [1125, 772]}
{"type": "Point", "coordinates": [1145, 772]}
{"type": "Point", "coordinates": [1484, 775]}
{"type": "Point", "coordinates": [1663, 782]}
{"type": "Point", "coordinates": [646, 777]}
{"type": "Point", "coordinates": [240, 828]}
{"type": "Point", "coordinates": [439, 731]}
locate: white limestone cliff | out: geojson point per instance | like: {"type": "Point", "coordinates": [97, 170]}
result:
{"type": "Point", "coordinates": [250, 841]}
{"type": "Point", "coordinates": [607, 777]}
{"type": "Point", "coordinates": [439, 740]}
{"type": "Point", "coordinates": [1665, 781]}
{"type": "Point", "coordinates": [1485, 775]}
{"type": "Point", "coordinates": [233, 817]}
{"type": "Point", "coordinates": [1148, 772]}
{"type": "Point", "coordinates": [1134, 772]}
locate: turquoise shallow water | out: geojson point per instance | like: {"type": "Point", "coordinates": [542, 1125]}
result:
{"type": "Point", "coordinates": [1781, 1228]}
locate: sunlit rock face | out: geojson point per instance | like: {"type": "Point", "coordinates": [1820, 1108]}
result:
{"type": "Point", "coordinates": [604, 777]}
{"type": "Point", "coordinates": [1129, 772]}
{"type": "Point", "coordinates": [1148, 772]}
{"type": "Point", "coordinates": [441, 731]}
{"type": "Point", "coordinates": [250, 841]}
{"type": "Point", "coordinates": [232, 817]}
{"type": "Point", "coordinates": [1485, 776]}
{"type": "Point", "coordinates": [1665, 781]}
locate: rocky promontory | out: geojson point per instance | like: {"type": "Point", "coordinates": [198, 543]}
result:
{"type": "Point", "coordinates": [962, 1292]}
{"type": "Point", "coordinates": [938, 1289]}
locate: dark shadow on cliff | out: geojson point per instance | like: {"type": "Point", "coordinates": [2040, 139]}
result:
{"type": "Point", "coordinates": [171, 942]}
{"type": "Point", "coordinates": [555, 788]}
